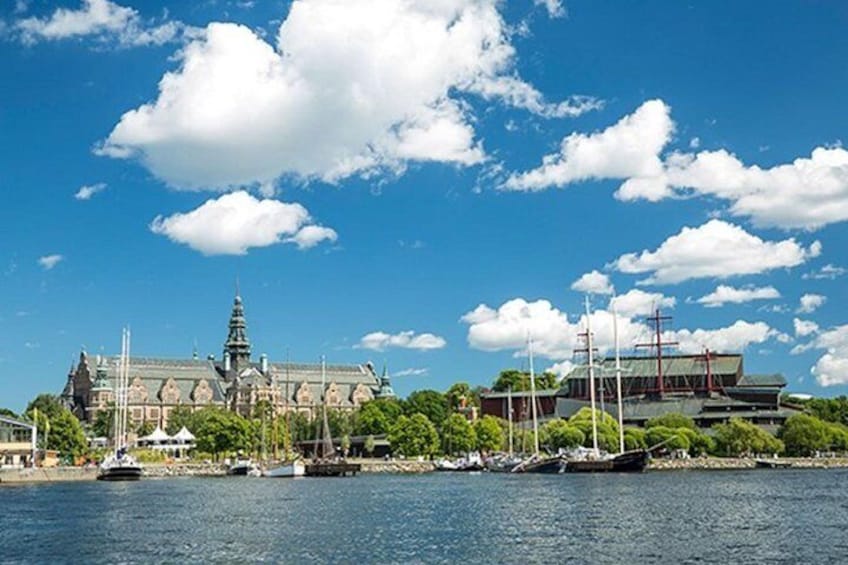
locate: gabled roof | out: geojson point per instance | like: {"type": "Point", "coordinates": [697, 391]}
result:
{"type": "Point", "coordinates": [673, 365]}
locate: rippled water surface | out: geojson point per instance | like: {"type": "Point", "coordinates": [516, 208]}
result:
{"type": "Point", "coordinates": [780, 516]}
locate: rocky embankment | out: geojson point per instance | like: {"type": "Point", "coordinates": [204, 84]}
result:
{"type": "Point", "coordinates": [396, 466]}
{"type": "Point", "coordinates": [733, 463]}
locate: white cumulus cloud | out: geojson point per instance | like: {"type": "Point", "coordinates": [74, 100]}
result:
{"type": "Point", "coordinates": [630, 148]}
{"type": "Point", "coordinates": [832, 367]}
{"type": "Point", "coordinates": [810, 303]}
{"type": "Point", "coordinates": [555, 8]}
{"type": "Point", "coordinates": [88, 190]}
{"type": "Point", "coordinates": [380, 341]}
{"type": "Point", "coordinates": [733, 338]}
{"type": "Point", "coordinates": [103, 19]}
{"type": "Point", "coordinates": [235, 222]}
{"type": "Point", "coordinates": [828, 272]}
{"type": "Point", "coordinates": [715, 249]}
{"type": "Point", "coordinates": [808, 192]}
{"type": "Point", "coordinates": [804, 328]}
{"type": "Point", "coordinates": [636, 303]}
{"type": "Point", "coordinates": [724, 294]}
{"type": "Point", "coordinates": [350, 87]}
{"type": "Point", "coordinates": [593, 282]}
{"type": "Point", "coordinates": [49, 261]}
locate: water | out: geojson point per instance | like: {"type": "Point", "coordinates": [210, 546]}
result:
{"type": "Point", "coordinates": [781, 516]}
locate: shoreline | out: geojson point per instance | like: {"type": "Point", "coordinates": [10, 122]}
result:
{"type": "Point", "coordinates": [408, 467]}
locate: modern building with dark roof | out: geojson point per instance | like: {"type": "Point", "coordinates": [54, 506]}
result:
{"type": "Point", "coordinates": [157, 386]}
{"type": "Point", "coordinates": [709, 388]}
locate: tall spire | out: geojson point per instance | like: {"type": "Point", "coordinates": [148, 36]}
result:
{"type": "Point", "coordinates": [237, 344]}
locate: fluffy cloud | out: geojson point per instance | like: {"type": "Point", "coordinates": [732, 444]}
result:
{"type": "Point", "coordinates": [49, 261]}
{"type": "Point", "coordinates": [310, 236]}
{"type": "Point", "coordinates": [87, 191]}
{"type": "Point", "coordinates": [554, 7]}
{"type": "Point", "coordinates": [735, 337]}
{"type": "Point", "coordinates": [555, 337]}
{"type": "Point", "coordinates": [380, 341]}
{"type": "Point", "coordinates": [637, 302]}
{"type": "Point", "coordinates": [103, 19]}
{"type": "Point", "coordinates": [411, 372]}
{"type": "Point", "coordinates": [561, 369]}
{"type": "Point", "coordinates": [828, 272]}
{"type": "Point", "coordinates": [808, 193]}
{"type": "Point", "coordinates": [714, 249]}
{"type": "Point", "coordinates": [832, 367]}
{"type": "Point", "coordinates": [804, 328]}
{"type": "Point", "coordinates": [629, 149]}
{"type": "Point", "coordinates": [351, 87]}
{"type": "Point", "coordinates": [593, 282]}
{"type": "Point", "coordinates": [724, 294]}
{"type": "Point", "coordinates": [235, 222]}
{"type": "Point", "coordinates": [810, 303]}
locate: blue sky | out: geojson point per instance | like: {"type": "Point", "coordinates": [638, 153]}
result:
{"type": "Point", "coordinates": [379, 190]}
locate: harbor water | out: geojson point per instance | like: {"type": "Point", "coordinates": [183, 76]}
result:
{"type": "Point", "coordinates": [764, 516]}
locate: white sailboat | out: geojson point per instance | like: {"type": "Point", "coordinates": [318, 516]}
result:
{"type": "Point", "coordinates": [121, 466]}
{"type": "Point", "coordinates": [290, 467]}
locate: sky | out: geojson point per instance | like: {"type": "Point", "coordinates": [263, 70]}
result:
{"type": "Point", "coordinates": [423, 184]}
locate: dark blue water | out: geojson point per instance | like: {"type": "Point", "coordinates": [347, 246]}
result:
{"type": "Point", "coordinates": [782, 516]}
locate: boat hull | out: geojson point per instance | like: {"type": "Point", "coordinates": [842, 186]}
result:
{"type": "Point", "coordinates": [287, 470]}
{"type": "Point", "coordinates": [331, 469]}
{"type": "Point", "coordinates": [547, 466]}
{"type": "Point", "coordinates": [627, 462]}
{"type": "Point", "coordinates": [128, 473]}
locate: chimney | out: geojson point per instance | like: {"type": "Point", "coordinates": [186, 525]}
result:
{"type": "Point", "coordinates": [227, 365]}
{"type": "Point", "coordinates": [263, 363]}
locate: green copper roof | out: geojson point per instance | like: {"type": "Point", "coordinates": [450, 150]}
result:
{"type": "Point", "coordinates": [673, 365]}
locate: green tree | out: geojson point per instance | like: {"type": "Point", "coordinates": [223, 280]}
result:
{"type": "Point", "coordinates": [672, 420]}
{"type": "Point", "coordinates": [7, 413]}
{"type": "Point", "coordinates": [145, 428]}
{"type": "Point", "coordinates": [739, 437]}
{"type": "Point", "coordinates": [179, 417]}
{"type": "Point", "coordinates": [104, 422]}
{"type": "Point", "coordinates": [461, 394]}
{"type": "Point", "coordinates": [458, 435]}
{"type": "Point", "coordinates": [220, 431]}
{"type": "Point", "coordinates": [341, 424]}
{"type": "Point", "coordinates": [66, 435]}
{"type": "Point", "coordinates": [392, 408]}
{"type": "Point", "coordinates": [520, 381]}
{"type": "Point", "coordinates": [829, 409]}
{"type": "Point", "coordinates": [803, 435]}
{"type": "Point", "coordinates": [371, 420]}
{"type": "Point", "coordinates": [670, 438]}
{"type": "Point", "coordinates": [430, 403]}
{"type": "Point", "coordinates": [606, 424]}
{"type": "Point", "coordinates": [559, 434]}
{"type": "Point", "coordinates": [413, 436]}
{"type": "Point", "coordinates": [47, 404]}
{"type": "Point", "coordinates": [634, 438]}
{"type": "Point", "coordinates": [490, 436]}
{"type": "Point", "coordinates": [302, 427]}
{"type": "Point", "coordinates": [699, 442]}
{"type": "Point", "coordinates": [369, 445]}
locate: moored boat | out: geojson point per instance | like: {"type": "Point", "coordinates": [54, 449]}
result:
{"type": "Point", "coordinates": [296, 468]}
{"type": "Point", "coordinates": [241, 467]}
{"type": "Point", "coordinates": [119, 467]}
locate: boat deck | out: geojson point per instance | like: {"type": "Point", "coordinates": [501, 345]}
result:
{"type": "Point", "coordinates": [332, 469]}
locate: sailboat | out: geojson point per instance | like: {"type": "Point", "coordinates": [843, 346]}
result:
{"type": "Point", "coordinates": [505, 463]}
{"type": "Point", "coordinates": [537, 463]}
{"type": "Point", "coordinates": [594, 461]}
{"type": "Point", "coordinates": [328, 464]}
{"type": "Point", "coordinates": [121, 466]}
{"type": "Point", "coordinates": [290, 466]}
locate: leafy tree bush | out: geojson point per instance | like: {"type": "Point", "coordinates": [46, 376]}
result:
{"type": "Point", "coordinates": [803, 435]}
{"type": "Point", "coordinates": [607, 428]}
{"type": "Point", "coordinates": [220, 431]}
{"type": "Point", "coordinates": [519, 381]}
{"type": "Point", "coordinates": [559, 434]}
{"type": "Point", "coordinates": [432, 404]}
{"type": "Point", "coordinates": [672, 420]}
{"type": "Point", "coordinates": [413, 436]}
{"type": "Point", "coordinates": [371, 420]}
{"type": "Point", "coordinates": [673, 438]}
{"type": "Point", "coordinates": [179, 417]}
{"type": "Point", "coordinates": [490, 436]}
{"type": "Point", "coordinates": [458, 435]}
{"type": "Point", "coordinates": [462, 393]}
{"type": "Point", "coordinates": [738, 437]}
{"type": "Point", "coordinates": [634, 438]}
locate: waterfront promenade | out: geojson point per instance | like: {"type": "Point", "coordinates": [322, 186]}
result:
{"type": "Point", "coordinates": [379, 466]}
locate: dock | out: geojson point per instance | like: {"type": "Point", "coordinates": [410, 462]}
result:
{"type": "Point", "coordinates": [332, 469]}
